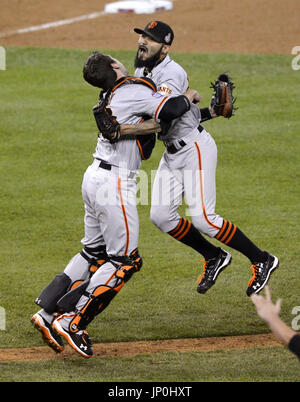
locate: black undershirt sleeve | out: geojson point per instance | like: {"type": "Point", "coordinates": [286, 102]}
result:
{"type": "Point", "coordinates": [177, 106]}
{"type": "Point", "coordinates": [174, 107]}
{"type": "Point", "coordinates": [294, 345]}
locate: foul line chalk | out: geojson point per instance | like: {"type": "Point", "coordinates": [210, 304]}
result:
{"type": "Point", "coordinates": [53, 24]}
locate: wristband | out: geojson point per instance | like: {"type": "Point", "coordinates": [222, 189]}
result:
{"type": "Point", "coordinates": [205, 114]}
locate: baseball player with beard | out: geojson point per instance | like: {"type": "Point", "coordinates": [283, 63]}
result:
{"type": "Point", "coordinates": [110, 255]}
{"type": "Point", "coordinates": [188, 167]}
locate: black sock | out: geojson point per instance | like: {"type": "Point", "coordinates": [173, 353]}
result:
{"type": "Point", "coordinates": [233, 237]}
{"type": "Point", "coordinates": [186, 233]}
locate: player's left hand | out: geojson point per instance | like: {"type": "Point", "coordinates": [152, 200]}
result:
{"type": "Point", "coordinates": [107, 123]}
{"type": "Point", "coordinates": [222, 102]}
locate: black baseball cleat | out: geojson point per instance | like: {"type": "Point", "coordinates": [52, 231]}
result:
{"type": "Point", "coordinates": [79, 341]}
{"type": "Point", "coordinates": [261, 274]}
{"type": "Point", "coordinates": [50, 337]}
{"type": "Point", "coordinates": [212, 269]}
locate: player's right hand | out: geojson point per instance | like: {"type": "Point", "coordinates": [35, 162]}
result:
{"type": "Point", "coordinates": [193, 96]}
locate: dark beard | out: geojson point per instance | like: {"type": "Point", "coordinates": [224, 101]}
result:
{"type": "Point", "coordinates": [148, 63]}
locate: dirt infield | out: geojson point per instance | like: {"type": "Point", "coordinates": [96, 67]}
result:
{"type": "Point", "coordinates": [129, 349]}
{"type": "Point", "coordinates": [248, 26]}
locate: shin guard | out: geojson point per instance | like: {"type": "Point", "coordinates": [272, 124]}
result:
{"type": "Point", "coordinates": [69, 300]}
{"type": "Point", "coordinates": [97, 302]}
{"type": "Point", "coordinates": [50, 295]}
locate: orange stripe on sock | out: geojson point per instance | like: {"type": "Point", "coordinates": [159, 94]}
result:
{"type": "Point", "coordinates": [185, 232]}
{"type": "Point", "coordinates": [222, 230]}
{"type": "Point", "coordinates": [177, 227]}
{"type": "Point", "coordinates": [229, 228]}
{"type": "Point", "coordinates": [227, 233]}
{"type": "Point", "coordinates": [232, 234]}
{"type": "Point", "coordinates": [185, 222]}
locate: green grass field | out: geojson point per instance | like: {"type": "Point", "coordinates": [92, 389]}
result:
{"type": "Point", "coordinates": [47, 139]}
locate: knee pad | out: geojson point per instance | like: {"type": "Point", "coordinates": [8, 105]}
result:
{"type": "Point", "coordinates": [50, 295]}
{"type": "Point", "coordinates": [95, 256]}
{"type": "Point", "coordinates": [127, 265]}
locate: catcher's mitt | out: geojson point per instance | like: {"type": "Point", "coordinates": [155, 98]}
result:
{"type": "Point", "coordinates": [106, 122]}
{"type": "Point", "coordinates": [222, 101]}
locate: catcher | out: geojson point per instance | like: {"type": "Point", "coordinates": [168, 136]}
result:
{"type": "Point", "coordinates": [188, 167]}
{"type": "Point", "coordinates": [110, 255]}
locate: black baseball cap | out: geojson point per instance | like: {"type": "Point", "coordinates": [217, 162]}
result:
{"type": "Point", "coordinates": [159, 31]}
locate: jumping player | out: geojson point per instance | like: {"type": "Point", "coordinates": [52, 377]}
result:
{"type": "Point", "coordinates": [110, 255]}
{"type": "Point", "coordinates": [191, 149]}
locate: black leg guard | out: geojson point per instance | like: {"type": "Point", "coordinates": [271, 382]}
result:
{"type": "Point", "coordinates": [68, 301]}
{"type": "Point", "coordinates": [62, 283]}
{"type": "Point", "coordinates": [50, 295]}
{"type": "Point", "coordinates": [97, 302]}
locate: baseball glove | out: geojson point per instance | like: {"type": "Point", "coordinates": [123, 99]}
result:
{"type": "Point", "coordinates": [222, 101]}
{"type": "Point", "coordinates": [106, 122]}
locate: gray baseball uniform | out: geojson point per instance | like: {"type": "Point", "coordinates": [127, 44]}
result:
{"type": "Point", "coordinates": [188, 165]}
{"type": "Point", "coordinates": [109, 191]}
{"type": "Point", "coordinates": [188, 169]}
{"type": "Point", "coordinates": [109, 183]}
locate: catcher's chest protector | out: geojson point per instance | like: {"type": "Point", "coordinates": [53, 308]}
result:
{"type": "Point", "coordinates": [145, 143]}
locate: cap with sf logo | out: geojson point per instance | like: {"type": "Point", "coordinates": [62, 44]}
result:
{"type": "Point", "coordinates": [159, 31]}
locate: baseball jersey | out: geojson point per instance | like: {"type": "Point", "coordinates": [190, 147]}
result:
{"type": "Point", "coordinates": [172, 80]}
{"type": "Point", "coordinates": [129, 103]}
